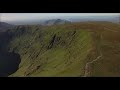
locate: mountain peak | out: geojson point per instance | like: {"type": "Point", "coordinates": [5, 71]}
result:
{"type": "Point", "coordinates": [56, 22]}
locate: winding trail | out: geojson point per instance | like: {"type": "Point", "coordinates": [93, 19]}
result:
{"type": "Point", "coordinates": [110, 29]}
{"type": "Point", "coordinates": [87, 66]}
{"type": "Point", "coordinates": [87, 71]}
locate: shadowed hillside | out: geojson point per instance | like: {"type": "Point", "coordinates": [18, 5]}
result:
{"type": "Point", "coordinates": [9, 61]}
{"type": "Point", "coordinates": [4, 26]}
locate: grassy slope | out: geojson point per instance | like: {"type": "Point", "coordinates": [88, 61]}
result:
{"type": "Point", "coordinates": [66, 57]}
{"type": "Point", "coordinates": [64, 50]}
{"type": "Point", "coordinates": [108, 44]}
{"type": "Point", "coordinates": [109, 64]}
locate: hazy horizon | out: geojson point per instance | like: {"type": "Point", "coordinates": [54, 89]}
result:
{"type": "Point", "coordinates": [27, 18]}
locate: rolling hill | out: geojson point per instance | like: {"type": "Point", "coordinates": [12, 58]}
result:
{"type": "Point", "coordinates": [68, 50]}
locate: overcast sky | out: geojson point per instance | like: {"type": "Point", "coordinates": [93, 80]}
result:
{"type": "Point", "coordinates": [35, 16]}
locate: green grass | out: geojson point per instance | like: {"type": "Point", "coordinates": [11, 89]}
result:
{"type": "Point", "coordinates": [109, 64]}
{"type": "Point", "coordinates": [67, 57]}
{"type": "Point", "coordinates": [64, 50]}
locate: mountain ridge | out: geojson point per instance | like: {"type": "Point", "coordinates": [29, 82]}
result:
{"type": "Point", "coordinates": [5, 26]}
{"type": "Point", "coordinates": [65, 50]}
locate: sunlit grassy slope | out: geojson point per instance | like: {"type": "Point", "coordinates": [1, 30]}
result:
{"type": "Point", "coordinates": [64, 50]}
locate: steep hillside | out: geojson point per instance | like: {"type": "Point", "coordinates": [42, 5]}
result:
{"type": "Point", "coordinates": [49, 51]}
{"type": "Point", "coordinates": [76, 49]}
{"type": "Point", "coordinates": [9, 61]}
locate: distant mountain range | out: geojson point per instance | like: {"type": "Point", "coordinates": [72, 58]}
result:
{"type": "Point", "coordinates": [55, 22]}
{"type": "Point", "coordinates": [66, 19]}
{"type": "Point", "coordinates": [5, 26]}
{"type": "Point", "coordinates": [113, 19]}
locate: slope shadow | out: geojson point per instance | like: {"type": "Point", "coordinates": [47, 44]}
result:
{"type": "Point", "coordinates": [9, 63]}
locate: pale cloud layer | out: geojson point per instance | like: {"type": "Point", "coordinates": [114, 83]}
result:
{"type": "Point", "coordinates": [31, 16]}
